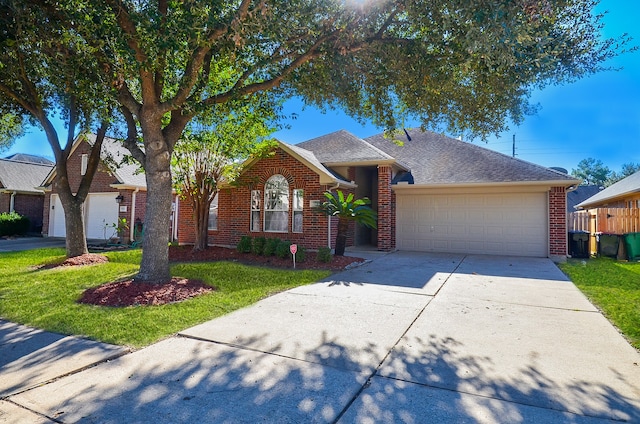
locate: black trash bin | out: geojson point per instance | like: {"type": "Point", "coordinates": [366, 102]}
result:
{"type": "Point", "coordinates": [579, 244]}
{"type": "Point", "coordinates": [608, 244]}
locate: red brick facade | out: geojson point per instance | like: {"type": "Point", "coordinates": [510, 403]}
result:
{"type": "Point", "coordinates": [102, 183]}
{"type": "Point", "coordinates": [29, 205]}
{"type": "Point", "coordinates": [557, 222]}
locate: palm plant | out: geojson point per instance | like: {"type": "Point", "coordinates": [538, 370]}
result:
{"type": "Point", "coordinates": [347, 209]}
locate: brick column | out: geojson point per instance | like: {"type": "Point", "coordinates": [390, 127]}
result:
{"type": "Point", "coordinates": [558, 223]}
{"type": "Point", "coordinates": [385, 210]}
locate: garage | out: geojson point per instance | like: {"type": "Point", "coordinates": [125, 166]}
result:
{"type": "Point", "coordinates": [100, 209]}
{"type": "Point", "coordinates": [475, 221]}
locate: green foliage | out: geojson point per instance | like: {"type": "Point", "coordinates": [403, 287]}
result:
{"type": "Point", "coordinates": [49, 301]}
{"type": "Point", "coordinates": [13, 224]}
{"type": "Point", "coordinates": [282, 250]}
{"type": "Point", "coordinates": [591, 172]}
{"type": "Point", "coordinates": [270, 246]}
{"type": "Point", "coordinates": [613, 287]}
{"type": "Point", "coordinates": [11, 127]}
{"type": "Point", "coordinates": [349, 208]}
{"type": "Point", "coordinates": [626, 170]}
{"type": "Point", "coordinates": [244, 246]}
{"type": "Point", "coordinates": [257, 247]}
{"type": "Point", "coordinates": [301, 254]}
{"type": "Point", "coordinates": [324, 254]}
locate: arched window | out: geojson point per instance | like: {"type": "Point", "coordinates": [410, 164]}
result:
{"type": "Point", "coordinates": [276, 204]}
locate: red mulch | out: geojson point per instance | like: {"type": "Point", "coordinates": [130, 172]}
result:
{"type": "Point", "coordinates": [130, 293]}
{"type": "Point", "coordinates": [87, 259]}
{"type": "Point", "coordinates": [213, 253]}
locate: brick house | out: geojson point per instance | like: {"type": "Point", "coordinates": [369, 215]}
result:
{"type": "Point", "coordinates": [432, 193]}
{"type": "Point", "coordinates": [118, 190]}
{"type": "Point", "coordinates": [19, 177]}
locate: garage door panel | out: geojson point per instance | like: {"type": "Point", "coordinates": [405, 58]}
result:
{"type": "Point", "coordinates": [509, 224]}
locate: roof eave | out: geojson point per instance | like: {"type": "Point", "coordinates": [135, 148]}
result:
{"type": "Point", "coordinates": [598, 202]}
{"type": "Point", "coordinates": [548, 183]}
{"type": "Point", "coordinates": [378, 162]}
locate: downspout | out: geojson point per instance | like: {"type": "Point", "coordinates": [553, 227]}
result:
{"type": "Point", "coordinates": [132, 226]}
{"type": "Point", "coordinates": [12, 201]}
{"type": "Point", "coordinates": [329, 218]}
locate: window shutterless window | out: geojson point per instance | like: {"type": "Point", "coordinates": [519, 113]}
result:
{"type": "Point", "coordinates": [84, 161]}
{"type": "Point", "coordinates": [213, 214]}
{"type": "Point", "coordinates": [256, 200]}
{"type": "Point", "coordinates": [298, 206]}
{"type": "Point", "coordinates": [276, 204]}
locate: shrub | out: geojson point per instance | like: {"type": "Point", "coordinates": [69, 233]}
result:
{"type": "Point", "coordinates": [258, 245]}
{"type": "Point", "coordinates": [324, 254]}
{"type": "Point", "coordinates": [13, 224]}
{"type": "Point", "coordinates": [282, 250]}
{"type": "Point", "coordinates": [270, 246]}
{"type": "Point", "coordinates": [301, 254]}
{"type": "Point", "coordinates": [244, 246]}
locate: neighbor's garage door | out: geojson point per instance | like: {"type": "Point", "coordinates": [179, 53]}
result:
{"type": "Point", "coordinates": [99, 209]}
{"type": "Point", "coordinates": [493, 224]}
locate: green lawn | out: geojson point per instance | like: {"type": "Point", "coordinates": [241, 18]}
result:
{"type": "Point", "coordinates": [612, 286]}
{"type": "Point", "coordinates": [46, 299]}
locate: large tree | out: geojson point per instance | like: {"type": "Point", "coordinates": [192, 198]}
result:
{"type": "Point", "coordinates": [465, 66]}
{"type": "Point", "coordinates": [45, 72]}
{"type": "Point", "coordinates": [626, 170]}
{"type": "Point", "coordinates": [592, 172]}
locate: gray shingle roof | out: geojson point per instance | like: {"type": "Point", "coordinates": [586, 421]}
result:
{"type": "Point", "coordinates": [437, 159]}
{"type": "Point", "coordinates": [25, 157]}
{"type": "Point", "coordinates": [112, 154]}
{"type": "Point", "coordinates": [628, 185]}
{"type": "Point", "coordinates": [22, 176]}
{"type": "Point", "coordinates": [343, 147]}
{"type": "Point", "coordinates": [580, 194]}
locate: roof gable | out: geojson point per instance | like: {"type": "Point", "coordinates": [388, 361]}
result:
{"type": "Point", "coordinates": [624, 187]}
{"type": "Point", "coordinates": [343, 147]}
{"type": "Point", "coordinates": [437, 159]}
{"type": "Point", "coordinates": [22, 176]}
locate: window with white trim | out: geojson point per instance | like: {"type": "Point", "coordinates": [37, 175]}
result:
{"type": "Point", "coordinates": [84, 162]}
{"type": "Point", "coordinates": [276, 204]}
{"type": "Point", "coordinates": [298, 205]}
{"type": "Point", "coordinates": [213, 214]}
{"type": "Point", "coordinates": [256, 200]}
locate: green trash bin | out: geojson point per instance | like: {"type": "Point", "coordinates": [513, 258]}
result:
{"type": "Point", "coordinates": [632, 244]}
{"type": "Point", "coordinates": [608, 244]}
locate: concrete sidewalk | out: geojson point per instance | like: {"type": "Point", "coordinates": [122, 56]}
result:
{"type": "Point", "coordinates": [408, 337]}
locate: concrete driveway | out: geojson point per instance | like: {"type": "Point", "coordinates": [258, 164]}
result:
{"type": "Point", "coordinates": [29, 243]}
{"type": "Point", "coordinates": [407, 338]}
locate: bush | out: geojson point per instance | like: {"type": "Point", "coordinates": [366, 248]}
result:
{"type": "Point", "coordinates": [282, 250]}
{"type": "Point", "coordinates": [244, 246]}
{"type": "Point", "coordinates": [258, 245]}
{"type": "Point", "coordinates": [301, 254]}
{"type": "Point", "coordinates": [270, 246]}
{"type": "Point", "coordinates": [324, 254]}
{"type": "Point", "coordinates": [13, 224]}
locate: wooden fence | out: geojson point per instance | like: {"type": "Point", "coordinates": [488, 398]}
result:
{"type": "Point", "coordinates": [608, 220]}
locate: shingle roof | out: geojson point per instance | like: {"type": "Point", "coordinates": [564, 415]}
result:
{"type": "Point", "coordinates": [628, 185]}
{"type": "Point", "coordinates": [437, 159]}
{"type": "Point", "coordinates": [24, 157]}
{"type": "Point", "coordinates": [112, 154]}
{"type": "Point", "coordinates": [580, 194]}
{"type": "Point", "coordinates": [343, 147]}
{"type": "Point", "coordinates": [312, 160]}
{"type": "Point", "coordinates": [22, 176]}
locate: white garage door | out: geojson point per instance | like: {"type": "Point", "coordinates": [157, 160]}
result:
{"type": "Point", "coordinates": [99, 209]}
{"type": "Point", "coordinates": [493, 224]}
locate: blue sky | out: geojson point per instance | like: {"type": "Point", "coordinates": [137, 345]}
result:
{"type": "Point", "coordinates": [597, 117]}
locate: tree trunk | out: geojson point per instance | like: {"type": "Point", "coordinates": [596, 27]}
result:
{"type": "Point", "coordinates": [154, 266]}
{"type": "Point", "coordinates": [341, 236]}
{"type": "Point", "coordinates": [201, 217]}
{"type": "Point", "coordinates": [76, 243]}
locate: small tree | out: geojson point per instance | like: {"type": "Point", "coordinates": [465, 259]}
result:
{"type": "Point", "coordinates": [347, 209]}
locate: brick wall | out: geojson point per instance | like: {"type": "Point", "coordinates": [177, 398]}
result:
{"type": "Point", "coordinates": [234, 205]}
{"type": "Point", "coordinates": [386, 210]}
{"type": "Point", "coordinates": [557, 222]}
{"type": "Point", "coordinates": [5, 202]}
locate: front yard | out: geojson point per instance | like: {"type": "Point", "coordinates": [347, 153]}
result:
{"type": "Point", "coordinates": [47, 298]}
{"type": "Point", "coordinates": [612, 286]}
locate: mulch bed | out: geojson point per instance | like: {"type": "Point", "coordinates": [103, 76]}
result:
{"type": "Point", "coordinates": [137, 293]}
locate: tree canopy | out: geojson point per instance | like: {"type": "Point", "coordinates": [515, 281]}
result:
{"type": "Point", "coordinates": [592, 172]}
{"type": "Point", "coordinates": [454, 64]}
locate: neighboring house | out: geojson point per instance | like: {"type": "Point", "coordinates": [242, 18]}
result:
{"type": "Point", "coordinates": [432, 194]}
{"type": "Point", "coordinates": [117, 191]}
{"type": "Point", "coordinates": [580, 194]}
{"type": "Point", "coordinates": [18, 192]}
